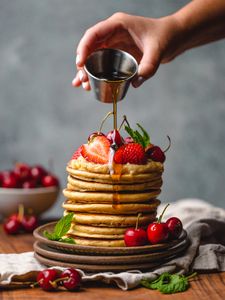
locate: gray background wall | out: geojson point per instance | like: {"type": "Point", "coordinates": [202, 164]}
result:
{"type": "Point", "coordinates": [42, 117]}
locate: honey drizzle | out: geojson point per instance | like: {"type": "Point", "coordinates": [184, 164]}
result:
{"type": "Point", "coordinates": [116, 180]}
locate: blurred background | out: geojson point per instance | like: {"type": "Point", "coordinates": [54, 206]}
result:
{"type": "Point", "coordinates": [43, 118]}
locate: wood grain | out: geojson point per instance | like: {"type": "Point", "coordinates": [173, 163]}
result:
{"type": "Point", "coordinates": [205, 286]}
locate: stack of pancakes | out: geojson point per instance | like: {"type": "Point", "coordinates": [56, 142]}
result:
{"type": "Point", "coordinates": [106, 205]}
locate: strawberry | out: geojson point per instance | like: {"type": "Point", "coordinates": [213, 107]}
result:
{"type": "Point", "coordinates": [132, 153]}
{"type": "Point", "coordinates": [77, 153]}
{"type": "Point", "coordinates": [97, 150]}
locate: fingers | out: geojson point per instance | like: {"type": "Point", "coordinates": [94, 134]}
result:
{"type": "Point", "coordinates": [81, 78]}
{"type": "Point", "coordinates": [148, 65]}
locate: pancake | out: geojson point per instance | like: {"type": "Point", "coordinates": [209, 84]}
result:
{"type": "Point", "coordinates": [98, 230]}
{"type": "Point", "coordinates": [117, 208]}
{"type": "Point", "coordinates": [96, 235]}
{"type": "Point", "coordinates": [97, 197]}
{"type": "Point", "coordinates": [106, 178]}
{"type": "Point", "coordinates": [79, 185]}
{"type": "Point", "coordinates": [105, 220]}
{"type": "Point", "coordinates": [97, 242]}
{"type": "Point", "coordinates": [82, 164]}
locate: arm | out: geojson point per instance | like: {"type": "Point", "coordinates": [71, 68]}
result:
{"type": "Point", "coordinates": [154, 41]}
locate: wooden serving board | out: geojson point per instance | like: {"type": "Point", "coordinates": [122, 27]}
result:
{"type": "Point", "coordinates": [99, 251]}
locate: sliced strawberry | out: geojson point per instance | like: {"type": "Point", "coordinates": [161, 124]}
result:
{"type": "Point", "coordinates": [77, 153]}
{"type": "Point", "coordinates": [132, 153]}
{"type": "Point", "coordinates": [97, 151]}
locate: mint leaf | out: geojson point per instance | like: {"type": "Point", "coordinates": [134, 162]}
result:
{"type": "Point", "coordinates": [63, 225]}
{"type": "Point", "coordinates": [168, 283]}
{"type": "Point", "coordinates": [60, 229]}
{"type": "Point", "coordinates": [146, 137]}
{"type": "Point", "coordinates": [141, 138]}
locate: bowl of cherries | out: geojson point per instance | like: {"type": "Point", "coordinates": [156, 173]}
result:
{"type": "Point", "coordinates": [34, 187]}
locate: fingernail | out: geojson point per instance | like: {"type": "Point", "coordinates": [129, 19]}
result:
{"type": "Point", "coordinates": [81, 75]}
{"type": "Point", "coordinates": [73, 81]}
{"type": "Point", "coordinates": [84, 85]}
{"type": "Point", "coordinates": [138, 81]}
{"type": "Point", "coordinates": [77, 59]}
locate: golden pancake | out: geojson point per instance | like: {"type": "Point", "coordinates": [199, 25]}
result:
{"type": "Point", "coordinates": [82, 164]}
{"type": "Point", "coordinates": [106, 178]}
{"type": "Point", "coordinates": [96, 235]}
{"type": "Point", "coordinates": [105, 220]}
{"type": "Point", "coordinates": [94, 197]}
{"type": "Point", "coordinates": [97, 242]}
{"type": "Point", "coordinates": [79, 185]}
{"type": "Point", "coordinates": [117, 208]}
{"type": "Point", "coordinates": [98, 230]}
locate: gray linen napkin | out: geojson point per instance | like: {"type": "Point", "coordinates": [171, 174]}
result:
{"type": "Point", "coordinates": [205, 225]}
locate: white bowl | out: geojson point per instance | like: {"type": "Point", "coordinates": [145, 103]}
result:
{"type": "Point", "coordinates": [38, 200]}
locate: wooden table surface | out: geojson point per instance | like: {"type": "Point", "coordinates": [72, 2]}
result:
{"type": "Point", "coordinates": [206, 286]}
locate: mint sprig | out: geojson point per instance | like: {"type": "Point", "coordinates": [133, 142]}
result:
{"type": "Point", "coordinates": [60, 229]}
{"type": "Point", "coordinates": [168, 283]}
{"type": "Point", "coordinates": [141, 137]}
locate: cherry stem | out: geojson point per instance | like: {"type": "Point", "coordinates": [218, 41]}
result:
{"type": "Point", "coordinates": [20, 212]}
{"type": "Point", "coordinates": [168, 147]}
{"type": "Point", "coordinates": [160, 217]}
{"type": "Point", "coordinates": [104, 119]}
{"type": "Point", "coordinates": [136, 227]}
{"type": "Point", "coordinates": [124, 120]}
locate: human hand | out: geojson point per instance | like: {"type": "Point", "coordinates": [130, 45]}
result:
{"type": "Point", "coordinates": [150, 41]}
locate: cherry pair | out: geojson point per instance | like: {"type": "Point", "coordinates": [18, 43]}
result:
{"type": "Point", "coordinates": [20, 222]}
{"type": "Point", "coordinates": [51, 279]}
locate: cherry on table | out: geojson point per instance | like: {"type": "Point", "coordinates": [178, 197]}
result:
{"type": "Point", "coordinates": [71, 279]}
{"type": "Point", "coordinates": [12, 226]}
{"type": "Point", "coordinates": [175, 227]}
{"type": "Point", "coordinates": [46, 279]}
{"type": "Point", "coordinates": [29, 223]}
{"type": "Point", "coordinates": [135, 237]}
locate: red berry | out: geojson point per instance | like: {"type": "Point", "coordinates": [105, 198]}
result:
{"type": "Point", "coordinates": [37, 172]}
{"type": "Point", "coordinates": [12, 225]}
{"type": "Point", "coordinates": [29, 184]}
{"type": "Point", "coordinates": [157, 233]}
{"type": "Point", "coordinates": [155, 153]}
{"type": "Point", "coordinates": [128, 140]}
{"type": "Point", "coordinates": [77, 153]}
{"type": "Point", "coordinates": [175, 227]}
{"type": "Point", "coordinates": [46, 279]}
{"type": "Point", "coordinates": [97, 151]}
{"type": "Point", "coordinates": [22, 171]}
{"type": "Point", "coordinates": [50, 180]}
{"type": "Point", "coordinates": [72, 279]}
{"type": "Point", "coordinates": [135, 237]}
{"type": "Point", "coordinates": [115, 138]}
{"type": "Point", "coordinates": [9, 180]}
{"type": "Point", "coordinates": [132, 153]}
{"type": "Point", "coordinates": [29, 223]}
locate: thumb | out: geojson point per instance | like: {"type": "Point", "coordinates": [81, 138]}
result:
{"type": "Point", "coordinates": [148, 65]}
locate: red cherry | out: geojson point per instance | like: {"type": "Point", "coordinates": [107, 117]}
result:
{"type": "Point", "coordinates": [50, 180]}
{"type": "Point", "coordinates": [12, 225]}
{"type": "Point", "coordinates": [37, 172]}
{"type": "Point", "coordinates": [29, 184]}
{"type": "Point", "coordinates": [156, 154]}
{"type": "Point", "coordinates": [93, 135]}
{"type": "Point", "coordinates": [175, 227]}
{"type": "Point", "coordinates": [135, 237]}
{"type": "Point", "coordinates": [157, 233]}
{"type": "Point", "coordinates": [22, 171]}
{"type": "Point", "coordinates": [71, 279]}
{"type": "Point", "coordinates": [128, 140]}
{"type": "Point", "coordinates": [9, 180]}
{"type": "Point", "coordinates": [114, 137]}
{"type": "Point", "coordinates": [29, 223]}
{"type": "Point", "coordinates": [46, 279]}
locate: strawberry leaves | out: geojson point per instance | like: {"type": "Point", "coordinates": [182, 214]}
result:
{"type": "Point", "coordinates": [141, 137]}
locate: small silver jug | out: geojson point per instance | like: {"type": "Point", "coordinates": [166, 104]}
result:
{"type": "Point", "coordinates": [107, 67]}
